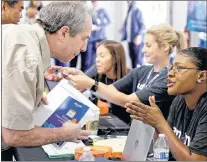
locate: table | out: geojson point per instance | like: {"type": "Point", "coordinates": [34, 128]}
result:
{"type": "Point", "coordinates": [38, 154]}
{"type": "Point", "coordinates": [34, 154]}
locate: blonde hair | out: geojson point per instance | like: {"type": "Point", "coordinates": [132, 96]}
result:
{"type": "Point", "coordinates": [166, 34]}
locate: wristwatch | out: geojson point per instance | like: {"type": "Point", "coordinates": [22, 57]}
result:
{"type": "Point", "coordinates": [94, 87]}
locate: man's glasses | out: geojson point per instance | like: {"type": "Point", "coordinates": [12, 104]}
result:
{"type": "Point", "coordinates": [178, 68]}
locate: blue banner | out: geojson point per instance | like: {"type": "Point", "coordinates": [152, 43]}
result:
{"type": "Point", "coordinates": [196, 20]}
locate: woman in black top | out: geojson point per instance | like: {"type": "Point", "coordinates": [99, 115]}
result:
{"type": "Point", "coordinates": [186, 129]}
{"type": "Point", "coordinates": [110, 66]}
{"type": "Point", "coordinates": [144, 81]}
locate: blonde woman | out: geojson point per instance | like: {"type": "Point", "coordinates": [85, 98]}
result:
{"type": "Point", "coordinates": [144, 81]}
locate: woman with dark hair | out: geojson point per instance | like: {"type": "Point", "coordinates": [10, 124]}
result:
{"type": "Point", "coordinates": [186, 128]}
{"type": "Point", "coordinates": [110, 61]}
{"type": "Point", "coordinates": [110, 66]}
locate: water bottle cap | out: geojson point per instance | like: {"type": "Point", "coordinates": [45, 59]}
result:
{"type": "Point", "coordinates": [86, 149]}
{"type": "Point", "coordinates": [161, 135]}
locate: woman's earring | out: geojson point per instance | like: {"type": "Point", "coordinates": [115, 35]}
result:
{"type": "Point", "coordinates": [199, 81]}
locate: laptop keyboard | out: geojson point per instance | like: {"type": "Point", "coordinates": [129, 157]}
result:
{"type": "Point", "coordinates": [117, 122]}
{"type": "Point", "coordinates": [112, 122]}
{"type": "Point", "coordinates": [105, 123]}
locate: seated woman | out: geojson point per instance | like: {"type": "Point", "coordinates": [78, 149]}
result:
{"type": "Point", "coordinates": [110, 66]}
{"type": "Point", "coordinates": [186, 129]}
{"type": "Point", "coordinates": [144, 81]}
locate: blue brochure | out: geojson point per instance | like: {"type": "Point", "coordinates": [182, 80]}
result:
{"type": "Point", "coordinates": [71, 110]}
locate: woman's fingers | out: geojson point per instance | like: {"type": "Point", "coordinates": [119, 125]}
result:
{"type": "Point", "coordinates": [140, 105]}
{"type": "Point", "coordinates": [136, 107]}
{"type": "Point", "coordinates": [136, 118]}
{"type": "Point", "coordinates": [152, 101]}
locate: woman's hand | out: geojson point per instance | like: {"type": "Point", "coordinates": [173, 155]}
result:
{"type": "Point", "coordinates": [81, 82]}
{"type": "Point", "coordinates": [148, 114]}
{"type": "Point", "coordinates": [78, 79]}
{"type": "Point", "coordinates": [71, 71]}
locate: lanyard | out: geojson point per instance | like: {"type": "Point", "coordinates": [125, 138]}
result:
{"type": "Point", "coordinates": [148, 83]}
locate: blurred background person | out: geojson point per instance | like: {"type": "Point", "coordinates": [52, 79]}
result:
{"type": "Point", "coordinates": [100, 21]}
{"type": "Point", "coordinates": [203, 40]}
{"type": "Point", "coordinates": [11, 11]}
{"type": "Point", "coordinates": [32, 11]}
{"type": "Point", "coordinates": [133, 31]}
{"type": "Point", "coordinates": [110, 66]}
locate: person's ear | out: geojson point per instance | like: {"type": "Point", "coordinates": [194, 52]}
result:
{"type": "Point", "coordinates": [202, 77]}
{"type": "Point", "coordinates": [63, 32]}
{"type": "Point", "coordinates": [166, 47]}
{"type": "Point", "coordinates": [3, 6]}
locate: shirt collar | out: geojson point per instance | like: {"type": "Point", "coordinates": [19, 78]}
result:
{"type": "Point", "coordinates": [44, 46]}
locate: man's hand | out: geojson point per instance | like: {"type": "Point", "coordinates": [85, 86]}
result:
{"type": "Point", "coordinates": [138, 40]}
{"type": "Point", "coordinates": [73, 132]}
{"type": "Point", "coordinates": [148, 114]}
{"type": "Point", "coordinates": [50, 73]}
{"type": "Point", "coordinates": [44, 98]}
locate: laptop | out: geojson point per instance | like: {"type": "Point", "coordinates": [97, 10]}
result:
{"type": "Point", "coordinates": [138, 141]}
{"type": "Point", "coordinates": [113, 122]}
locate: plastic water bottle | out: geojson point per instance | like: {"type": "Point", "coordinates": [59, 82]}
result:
{"type": "Point", "coordinates": [87, 155]}
{"type": "Point", "coordinates": [161, 149]}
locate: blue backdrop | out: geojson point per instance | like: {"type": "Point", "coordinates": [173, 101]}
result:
{"type": "Point", "coordinates": [196, 20]}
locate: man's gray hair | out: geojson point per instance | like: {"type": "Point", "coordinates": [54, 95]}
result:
{"type": "Point", "coordinates": [64, 13]}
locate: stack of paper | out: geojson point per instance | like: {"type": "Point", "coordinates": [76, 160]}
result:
{"type": "Point", "coordinates": [117, 144]}
{"type": "Point", "coordinates": [67, 150]}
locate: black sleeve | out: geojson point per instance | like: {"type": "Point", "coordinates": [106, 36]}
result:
{"type": "Point", "coordinates": [125, 84]}
{"type": "Point", "coordinates": [92, 72]}
{"type": "Point", "coordinates": [199, 143]}
{"type": "Point", "coordinates": [157, 89]}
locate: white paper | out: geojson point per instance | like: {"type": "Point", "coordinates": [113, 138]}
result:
{"type": "Point", "coordinates": [56, 97]}
{"type": "Point", "coordinates": [67, 149]}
